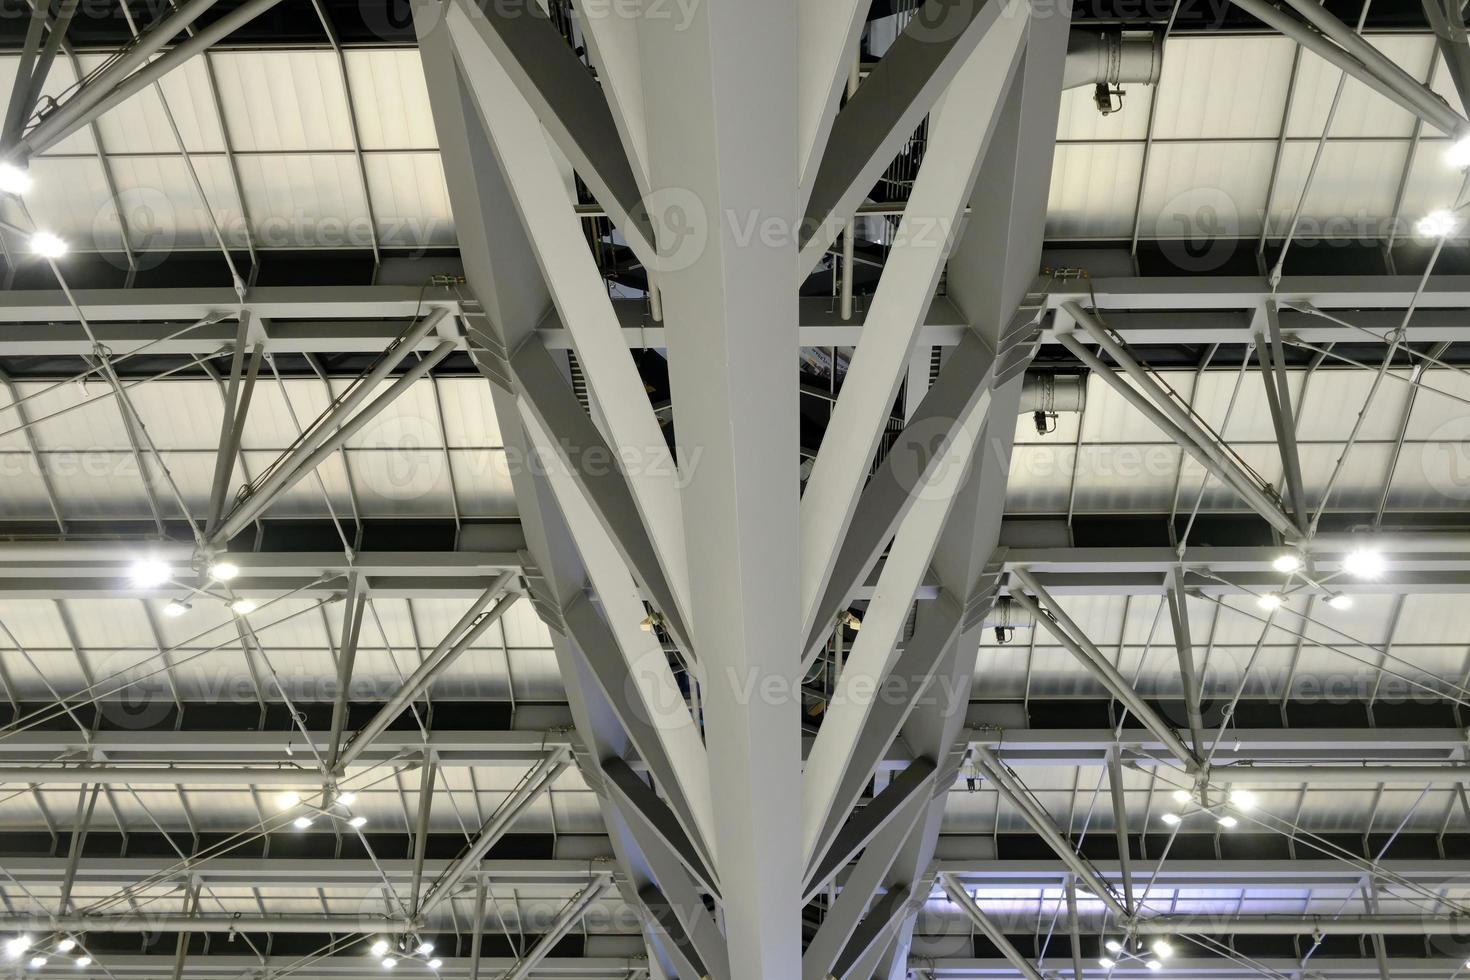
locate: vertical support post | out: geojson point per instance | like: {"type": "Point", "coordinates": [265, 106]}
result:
{"type": "Point", "coordinates": [421, 831]}
{"type": "Point", "coordinates": [1184, 647]}
{"type": "Point", "coordinates": [1120, 825]}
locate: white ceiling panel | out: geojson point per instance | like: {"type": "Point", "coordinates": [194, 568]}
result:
{"type": "Point", "coordinates": [1093, 190]}
{"type": "Point", "coordinates": [283, 100]}
{"type": "Point", "coordinates": [1362, 111]}
{"type": "Point", "coordinates": [1254, 71]}
{"type": "Point", "coordinates": [1198, 191]}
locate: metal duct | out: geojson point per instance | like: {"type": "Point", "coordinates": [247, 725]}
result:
{"type": "Point", "coordinates": [1112, 58]}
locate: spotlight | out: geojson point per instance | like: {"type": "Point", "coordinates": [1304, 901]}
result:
{"type": "Point", "coordinates": [435, 964]}
{"type": "Point", "coordinates": [1437, 224]}
{"type": "Point", "coordinates": [650, 621]}
{"type": "Point", "coordinates": [850, 620]}
{"type": "Point", "coordinates": [301, 823]}
{"type": "Point", "coordinates": [286, 801]}
{"type": "Point", "coordinates": [1106, 963]}
{"type": "Point", "coordinates": [1341, 602]}
{"type": "Point", "coordinates": [1227, 821]}
{"type": "Point", "coordinates": [14, 180]}
{"type": "Point", "coordinates": [176, 608]}
{"type": "Point", "coordinates": [389, 962]}
{"type": "Point", "coordinates": [425, 948]}
{"type": "Point", "coordinates": [1458, 155]}
{"type": "Point", "coordinates": [346, 799]}
{"type": "Point", "coordinates": [1269, 601]}
{"type": "Point", "coordinates": [83, 961]}
{"type": "Point", "coordinates": [1242, 799]}
{"type": "Point", "coordinates": [1182, 796]}
{"type": "Point", "coordinates": [380, 947]}
{"type": "Point", "coordinates": [1113, 946]}
{"type": "Point", "coordinates": [150, 573]}
{"type": "Point", "coordinates": [1172, 819]}
{"type": "Point", "coordinates": [66, 945]}
{"type": "Point", "coordinates": [1363, 564]}
{"type": "Point", "coordinates": [1162, 949]}
{"type": "Point", "coordinates": [1287, 563]}
{"type": "Point", "coordinates": [242, 606]}
{"type": "Point", "coordinates": [38, 961]}
{"type": "Point", "coordinates": [18, 945]}
{"type": "Point", "coordinates": [1154, 965]}
{"type": "Point", "coordinates": [224, 570]}
{"type": "Point", "coordinates": [50, 246]}
{"type": "Point", "coordinates": [357, 822]}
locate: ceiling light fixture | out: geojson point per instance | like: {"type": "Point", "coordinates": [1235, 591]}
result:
{"type": "Point", "coordinates": [1227, 821]}
{"type": "Point", "coordinates": [346, 799]}
{"type": "Point", "coordinates": [1437, 224]}
{"type": "Point", "coordinates": [380, 947]}
{"type": "Point", "coordinates": [435, 964]}
{"type": "Point", "coordinates": [389, 962]}
{"type": "Point", "coordinates": [38, 961]}
{"type": "Point", "coordinates": [286, 801]}
{"type": "Point", "coordinates": [425, 948]}
{"type": "Point", "coordinates": [357, 822]}
{"type": "Point", "coordinates": [176, 608]}
{"type": "Point", "coordinates": [1288, 563]}
{"type": "Point", "coordinates": [1154, 965]}
{"type": "Point", "coordinates": [242, 606]}
{"type": "Point", "coordinates": [1269, 601]}
{"type": "Point", "coordinates": [1113, 946]}
{"type": "Point", "coordinates": [1242, 799]}
{"type": "Point", "coordinates": [1363, 564]}
{"type": "Point", "coordinates": [1106, 963]}
{"type": "Point", "coordinates": [18, 944]}
{"type": "Point", "coordinates": [47, 245]}
{"type": "Point", "coordinates": [1182, 796]}
{"type": "Point", "coordinates": [301, 823]}
{"type": "Point", "coordinates": [224, 571]}
{"type": "Point", "coordinates": [1172, 819]}
{"type": "Point", "coordinates": [150, 573]}
{"type": "Point", "coordinates": [1162, 949]}
{"type": "Point", "coordinates": [1341, 602]}
{"type": "Point", "coordinates": [1458, 155]}
{"type": "Point", "coordinates": [14, 180]}
{"type": "Point", "coordinates": [66, 945]}
{"type": "Point", "coordinates": [83, 961]}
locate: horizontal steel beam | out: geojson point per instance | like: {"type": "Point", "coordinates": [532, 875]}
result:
{"type": "Point", "coordinates": [156, 776]}
{"type": "Point", "coordinates": [340, 924]}
{"type": "Point", "coordinates": [353, 965]}
{"type": "Point", "coordinates": [1303, 925]}
{"type": "Point", "coordinates": [1200, 968]}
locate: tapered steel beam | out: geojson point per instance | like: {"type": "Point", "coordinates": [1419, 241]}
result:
{"type": "Point", "coordinates": [992, 932]}
{"type": "Point", "coordinates": [465, 632]}
{"type": "Point", "coordinates": [1065, 629]}
{"type": "Point", "coordinates": [563, 924]}
{"type": "Point", "coordinates": [638, 801]}
{"type": "Point", "coordinates": [865, 824]}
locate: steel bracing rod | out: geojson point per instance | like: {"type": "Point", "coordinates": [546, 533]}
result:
{"type": "Point", "coordinates": [114, 89]}
{"type": "Point", "coordinates": [148, 922]}
{"type": "Point", "coordinates": [1227, 475]}
{"type": "Point", "coordinates": [1120, 824]}
{"type": "Point", "coordinates": [915, 781]}
{"type": "Point", "coordinates": [354, 604]}
{"type": "Point", "coordinates": [1156, 403]}
{"type": "Point", "coordinates": [156, 776]}
{"type": "Point", "coordinates": [298, 464]}
{"type": "Point", "coordinates": [1392, 78]}
{"type": "Point", "coordinates": [55, 39]}
{"type": "Point", "coordinates": [81, 107]}
{"type": "Point", "coordinates": [476, 620]}
{"type": "Point", "coordinates": [421, 834]}
{"type": "Point", "coordinates": [1421, 103]}
{"type": "Point", "coordinates": [569, 916]}
{"type": "Point", "coordinates": [537, 781]}
{"type": "Point", "coordinates": [20, 89]}
{"type": "Point", "coordinates": [275, 482]}
{"type": "Point", "coordinates": [886, 108]}
{"type": "Point", "coordinates": [1045, 828]}
{"type": "Point", "coordinates": [566, 98]}
{"type": "Point", "coordinates": [1287, 925]}
{"type": "Point", "coordinates": [1271, 354]}
{"type": "Point", "coordinates": [957, 894]}
{"type": "Point", "coordinates": [1066, 631]}
{"type": "Point", "coordinates": [959, 130]}
{"type": "Point", "coordinates": [232, 420]}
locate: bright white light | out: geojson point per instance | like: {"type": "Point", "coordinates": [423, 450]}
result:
{"type": "Point", "coordinates": [286, 801]}
{"type": "Point", "coordinates": [1341, 601]}
{"type": "Point", "coordinates": [150, 573]}
{"type": "Point", "coordinates": [1242, 799]}
{"type": "Point", "coordinates": [67, 945]}
{"type": "Point", "coordinates": [224, 570]}
{"type": "Point", "coordinates": [14, 180]}
{"type": "Point", "coordinates": [1182, 796]}
{"type": "Point", "coordinates": [1363, 564]}
{"type": "Point", "coordinates": [434, 964]}
{"type": "Point", "coordinates": [242, 606]}
{"type": "Point", "coordinates": [1172, 819]}
{"type": "Point", "coordinates": [346, 799]}
{"type": "Point", "coordinates": [1113, 946]}
{"type": "Point", "coordinates": [37, 962]}
{"type": "Point", "coordinates": [425, 948]}
{"type": "Point", "coordinates": [301, 823]}
{"type": "Point", "coordinates": [1106, 963]}
{"type": "Point", "coordinates": [1227, 821]}
{"type": "Point", "coordinates": [357, 822]}
{"type": "Point", "coordinates": [1458, 155]}
{"type": "Point", "coordinates": [1269, 601]}
{"type": "Point", "coordinates": [1437, 224]}
{"type": "Point", "coordinates": [1154, 965]}
{"type": "Point", "coordinates": [175, 608]}
{"type": "Point", "coordinates": [1162, 949]}
{"type": "Point", "coordinates": [389, 962]}
{"type": "Point", "coordinates": [380, 947]}
{"type": "Point", "coordinates": [18, 945]}
{"type": "Point", "coordinates": [47, 245]}
{"type": "Point", "coordinates": [84, 961]}
{"type": "Point", "coordinates": [1286, 563]}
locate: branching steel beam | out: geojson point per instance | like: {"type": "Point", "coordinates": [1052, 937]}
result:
{"type": "Point", "coordinates": [638, 801]}
{"type": "Point", "coordinates": [865, 824]}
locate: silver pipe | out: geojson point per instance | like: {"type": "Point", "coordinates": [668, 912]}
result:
{"type": "Point", "coordinates": [322, 441]}
{"type": "Point", "coordinates": [1110, 58]}
{"type": "Point", "coordinates": [441, 657]}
